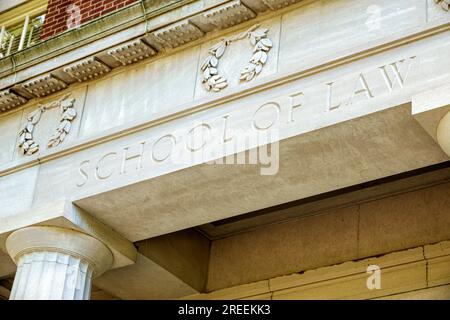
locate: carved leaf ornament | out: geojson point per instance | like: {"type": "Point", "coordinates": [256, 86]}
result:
{"type": "Point", "coordinates": [445, 4]}
{"type": "Point", "coordinates": [68, 113]}
{"type": "Point", "coordinates": [213, 81]}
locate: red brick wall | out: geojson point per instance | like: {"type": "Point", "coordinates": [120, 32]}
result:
{"type": "Point", "coordinates": [59, 13]}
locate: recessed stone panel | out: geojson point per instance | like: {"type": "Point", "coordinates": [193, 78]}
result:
{"type": "Point", "coordinates": [139, 93]}
{"type": "Point", "coordinates": [322, 31]}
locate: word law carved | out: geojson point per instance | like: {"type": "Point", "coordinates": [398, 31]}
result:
{"type": "Point", "coordinates": [68, 113]}
{"type": "Point", "coordinates": [212, 80]}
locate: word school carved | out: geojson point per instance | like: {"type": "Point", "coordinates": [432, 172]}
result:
{"type": "Point", "coordinates": [227, 132]}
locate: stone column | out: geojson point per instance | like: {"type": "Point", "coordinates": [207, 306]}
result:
{"type": "Point", "coordinates": [443, 133]}
{"type": "Point", "coordinates": [55, 263]}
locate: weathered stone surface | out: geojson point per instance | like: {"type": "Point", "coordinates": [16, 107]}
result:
{"type": "Point", "coordinates": [402, 275]}
{"type": "Point", "coordinates": [434, 293]}
{"type": "Point", "coordinates": [395, 279]}
{"type": "Point", "coordinates": [132, 52]}
{"type": "Point", "coordinates": [87, 69]}
{"type": "Point", "coordinates": [299, 245]}
{"type": "Point", "coordinates": [407, 222]}
{"type": "Point", "coordinates": [438, 256]}
{"type": "Point", "coordinates": [44, 85]}
{"type": "Point", "coordinates": [250, 290]}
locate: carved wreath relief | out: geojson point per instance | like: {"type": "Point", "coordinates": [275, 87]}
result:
{"type": "Point", "coordinates": [212, 80]}
{"type": "Point", "coordinates": [68, 114]}
{"type": "Point", "coordinates": [445, 4]}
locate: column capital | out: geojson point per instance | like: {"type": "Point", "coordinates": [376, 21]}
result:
{"type": "Point", "coordinates": [63, 214]}
{"type": "Point", "coordinates": [60, 240]}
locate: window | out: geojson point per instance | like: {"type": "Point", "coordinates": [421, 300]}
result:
{"type": "Point", "coordinates": [20, 27]}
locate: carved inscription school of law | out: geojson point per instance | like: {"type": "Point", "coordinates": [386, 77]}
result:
{"type": "Point", "coordinates": [203, 139]}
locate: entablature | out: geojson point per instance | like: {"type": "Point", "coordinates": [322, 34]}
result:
{"type": "Point", "coordinates": [130, 35]}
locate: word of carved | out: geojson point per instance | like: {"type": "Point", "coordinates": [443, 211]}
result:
{"type": "Point", "coordinates": [68, 113]}
{"type": "Point", "coordinates": [212, 80]}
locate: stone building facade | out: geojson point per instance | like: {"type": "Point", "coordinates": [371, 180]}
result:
{"type": "Point", "coordinates": [225, 149]}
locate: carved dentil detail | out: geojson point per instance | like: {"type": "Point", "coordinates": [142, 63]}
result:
{"type": "Point", "coordinates": [68, 113]}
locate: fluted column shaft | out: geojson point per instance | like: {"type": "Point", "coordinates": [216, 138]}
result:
{"type": "Point", "coordinates": [46, 275]}
{"type": "Point", "coordinates": [55, 263]}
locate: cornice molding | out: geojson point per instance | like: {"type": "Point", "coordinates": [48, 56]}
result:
{"type": "Point", "coordinates": [44, 85]}
{"type": "Point", "coordinates": [177, 34]}
{"type": "Point", "coordinates": [10, 100]}
{"type": "Point", "coordinates": [154, 37]}
{"type": "Point", "coordinates": [165, 28]}
{"type": "Point", "coordinates": [278, 4]}
{"type": "Point", "coordinates": [87, 69]}
{"type": "Point", "coordinates": [132, 52]}
{"type": "Point", "coordinates": [229, 14]}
